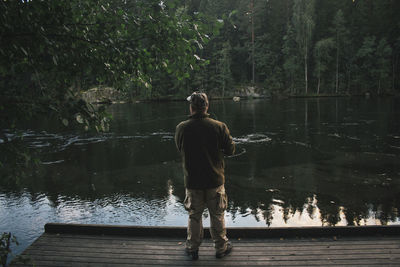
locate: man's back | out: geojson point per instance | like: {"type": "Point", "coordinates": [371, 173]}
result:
{"type": "Point", "coordinates": [203, 143]}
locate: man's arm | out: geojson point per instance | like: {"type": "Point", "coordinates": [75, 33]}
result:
{"type": "Point", "coordinates": [178, 137]}
{"type": "Point", "coordinates": [228, 145]}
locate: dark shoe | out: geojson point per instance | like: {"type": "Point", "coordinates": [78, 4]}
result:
{"type": "Point", "coordinates": [228, 250]}
{"type": "Point", "coordinates": [193, 254]}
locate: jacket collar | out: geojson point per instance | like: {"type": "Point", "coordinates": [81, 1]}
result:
{"type": "Point", "coordinates": [199, 116]}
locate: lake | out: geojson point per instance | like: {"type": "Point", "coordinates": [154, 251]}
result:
{"type": "Point", "coordinates": [299, 162]}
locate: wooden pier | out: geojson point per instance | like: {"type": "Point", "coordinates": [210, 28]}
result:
{"type": "Point", "coordinates": [104, 245]}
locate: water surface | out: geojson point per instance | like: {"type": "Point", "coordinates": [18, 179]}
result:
{"type": "Point", "coordinates": [299, 162]}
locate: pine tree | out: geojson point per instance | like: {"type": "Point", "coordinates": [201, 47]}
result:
{"type": "Point", "coordinates": [224, 67]}
{"type": "Point", "coordinates": [365, 62]}
{"type": "Point", "coordinates": [291, 63]}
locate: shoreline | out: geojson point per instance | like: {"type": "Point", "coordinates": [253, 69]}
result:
{"type": "Point", "coordinates": [241, 98]}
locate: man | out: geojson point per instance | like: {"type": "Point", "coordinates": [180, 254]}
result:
{"type": "Point", "coordinates": [202, 143]}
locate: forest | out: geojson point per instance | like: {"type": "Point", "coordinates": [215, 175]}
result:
{"type": "Point", "coordinates": [52, 50]}
{"type": "Point", "coordinates": [294, 47]}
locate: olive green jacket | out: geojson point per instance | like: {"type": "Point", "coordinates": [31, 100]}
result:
{"type": "Point", "coordinates": [202, 142]}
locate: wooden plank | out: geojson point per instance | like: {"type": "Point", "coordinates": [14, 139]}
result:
{"type": "Point", "coordinates": [270, 241]}
{"type": "Point", "coordinates": [237, 252]}
{"type": "Point", "coordinates": [253, 247]}
{"type": "Point", "coordinates": [234, 256]}
{"type": "Point", "coordinates": [229, 261]}
{"type": "Point", "coordinates": [234, 232]}
{"type": "Point", "coordinates": [101, 257]}
{"type": "Point", "coordinates": [199, 263]}
{"type": "Point", "coordinates": [238, 247]}
{"type": "Point", "coordinates": [244, 241]}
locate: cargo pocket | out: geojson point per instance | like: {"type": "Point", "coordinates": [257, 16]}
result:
{"type": "Point", "coordinates": [222, 201]}
{"type": "Point", "coordinates": [187, 203]}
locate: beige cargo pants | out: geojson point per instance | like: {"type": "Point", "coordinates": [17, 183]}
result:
{"type": "Point", "coordinates": [216, 201]}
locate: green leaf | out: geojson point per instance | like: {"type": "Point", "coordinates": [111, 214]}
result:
{"type": "Point", "coordinates": [65, 122]}
{"type": "Point", "coordinates": [23, 50]}
{"type": "Point", "coordinates": [54, 60]}
{"type": "Point", "coordinates": [233, 13]}
{"type": "Point", "coordinates": [79, 119]}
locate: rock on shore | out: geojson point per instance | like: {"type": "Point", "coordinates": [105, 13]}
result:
{"type": "Point", "coordinates": [104, 95]}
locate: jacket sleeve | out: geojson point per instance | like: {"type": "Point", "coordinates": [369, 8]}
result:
{"type": "Point", "coordinates": [228, 145]}
{"type": "Point", "coordinates": [178, 137]}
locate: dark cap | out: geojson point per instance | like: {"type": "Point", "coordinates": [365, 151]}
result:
{"type": "Point", "coordinates": [198, 100]}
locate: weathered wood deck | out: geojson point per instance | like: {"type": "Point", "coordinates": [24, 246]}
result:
{"type": "Point", "coordinates": [89, 245]}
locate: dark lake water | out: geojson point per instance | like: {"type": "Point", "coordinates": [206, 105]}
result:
{"type": "Point", "coordinates": [299, 162]}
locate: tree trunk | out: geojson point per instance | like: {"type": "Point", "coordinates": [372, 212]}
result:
{"type": "Point", "coordinates": [348, 81]}
{"type": "Point", "coordinates": [337, 70]}
{"type": "Point", "coordinates": [394, 74]}
{"type": "Point", "coordinates": [252, 42]}
{"type": "Point", "coordinates": [306, 115]}
{"type": "Point", "coordinates": [223, 89]}
{"type": "Point", "coordinates": [306, 72]}
{"type": "Point", "coordinates": [292, 85]}
{"type": "Point", "coordinates": [379, 86]}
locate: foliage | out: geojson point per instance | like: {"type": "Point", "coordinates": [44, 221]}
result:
{"type": "Point", "coordinates": [6, 241]}
{"type": "Point", "coordinates": [291, 64]}
{"type": "Point", "coordinates": [383, 66]}
{"type": "Point", "coordinates": [286, 35]}
{"type": "Point", "coordinates": [16, 162]}
{"type": "Point", "coordinates": [322, 58]}
{"type": "Point", "coordinates": [50, 50]}
{"type": "Point", "coordinates": [341, 36]}
{"type": "Point", "coordinates": [303, 24]}
{"type": "Point", "coordinates": [365, 60]}
{"type": "Point", "coordinates": [224, 74]}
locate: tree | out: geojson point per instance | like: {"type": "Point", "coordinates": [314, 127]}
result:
{"type": "Point", "coordinates": [303, 23]}
{"type": "Point", "coordinates": [383, 66]}
{"type": "Point", "coordinates": [291, 59]}
{"type": "Point", "coordinates": [395, 63]}
{"type": "Point", "coordinates": [322, 57]}
{"type": "Point", "coordinates": [347, 22]}
{"type": "Point", "coordinates": [51, 49]}
{"type": "Point", "coordinates": [365, 62]}
{"type": "Point", "coordinates": [341, 41]}
{"type": "Point", "coordinates": [374, 64]}
{"type": "Point", "coordinates": [224, 67]}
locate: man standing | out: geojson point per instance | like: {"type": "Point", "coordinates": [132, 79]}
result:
{"type": "Point", "coordinates": [202, 143]}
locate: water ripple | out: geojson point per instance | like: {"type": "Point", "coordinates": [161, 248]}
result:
{"type": "Point", "coordinates": [252, 138]}
{"type": "Point", "coordinates": [59, 142]}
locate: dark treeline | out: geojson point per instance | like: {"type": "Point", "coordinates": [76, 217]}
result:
{"type": "Point", "coordinates": [50, 51]}
{"type": "Point", "coordinates": [302, 46]}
